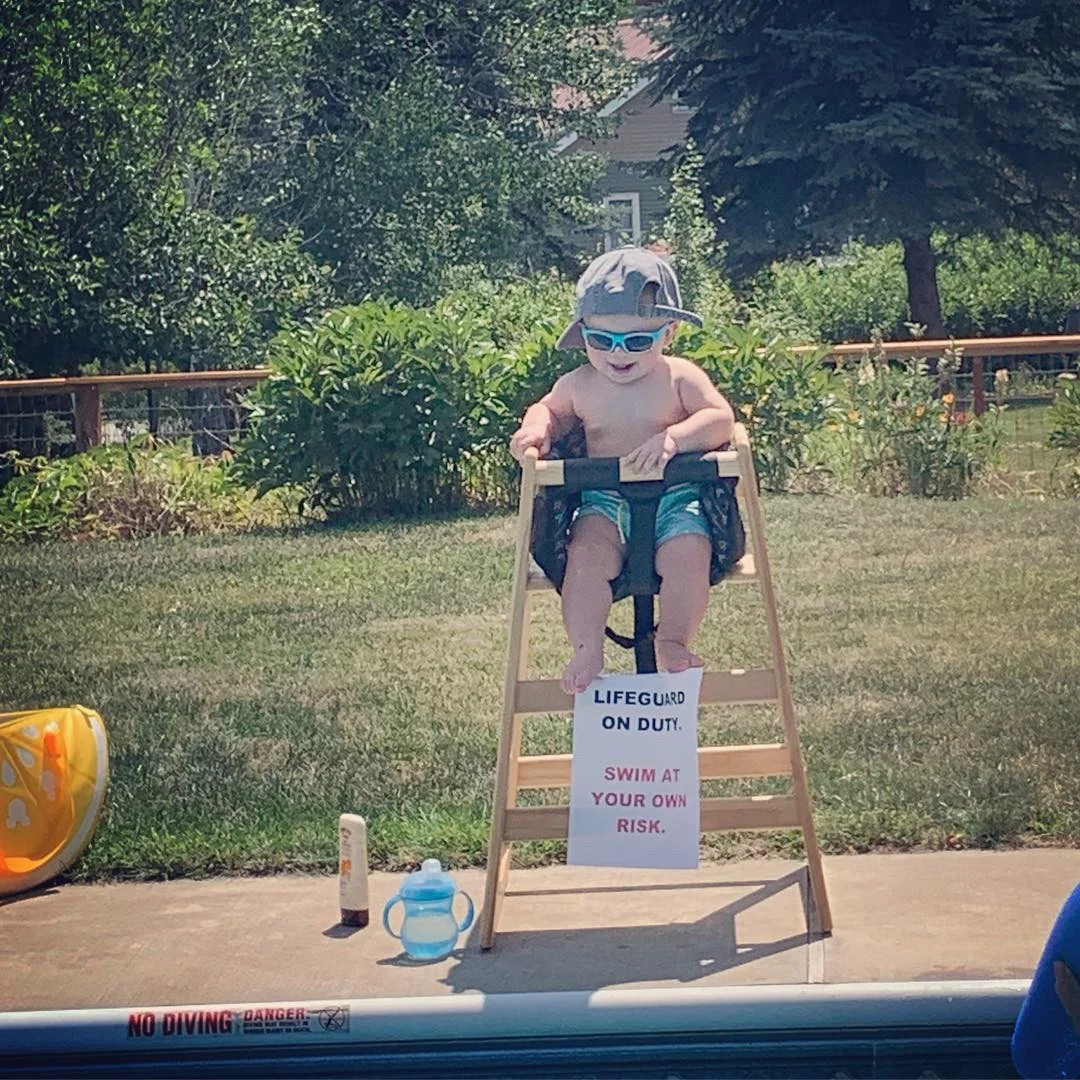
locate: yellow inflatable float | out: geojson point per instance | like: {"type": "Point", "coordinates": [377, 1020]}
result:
{"type": "Point", "coordinates": [54, 769]}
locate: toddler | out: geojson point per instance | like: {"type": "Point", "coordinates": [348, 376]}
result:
{"type": "Point", "coordinates": [640, 405]}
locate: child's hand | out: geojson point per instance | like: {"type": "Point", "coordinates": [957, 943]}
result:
{"type": "Point", "coordinates": [654, 453]}
{"type": "Point", "coordinates": [530, 435]}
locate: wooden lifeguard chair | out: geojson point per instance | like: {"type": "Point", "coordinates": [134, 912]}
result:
{"type": "Point", "coordinates": [524, 697]}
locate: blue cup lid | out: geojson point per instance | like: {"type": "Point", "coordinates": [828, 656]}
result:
{"type": "Point", "coordinates": [430, 882]}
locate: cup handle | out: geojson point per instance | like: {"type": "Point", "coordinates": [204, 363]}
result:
{"type": "Point", "coordinates": [386, 917]}
{"type": "Point", "coordinates": [468, 915]}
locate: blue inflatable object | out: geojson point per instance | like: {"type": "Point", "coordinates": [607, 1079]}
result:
{"type": "Point", "coordinates": [1046, 1041]}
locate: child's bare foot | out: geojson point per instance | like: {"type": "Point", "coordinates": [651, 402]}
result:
{"type": "Point", "coordinates": [674, 656]}
{"type": "Point", "coordinates": [588, 662]}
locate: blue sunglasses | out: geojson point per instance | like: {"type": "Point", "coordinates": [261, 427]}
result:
{"type": "Point", "coordinates": [632, 341]}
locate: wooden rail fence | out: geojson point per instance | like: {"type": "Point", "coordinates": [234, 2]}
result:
{"type": "Point", "coordinates": [88, 389]}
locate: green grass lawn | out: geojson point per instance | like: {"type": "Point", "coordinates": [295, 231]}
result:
{"type": "Point", "coordinates": [256, 686]}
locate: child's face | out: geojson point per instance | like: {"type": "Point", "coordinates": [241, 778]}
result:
{"type": "Point", "coordinates": [617, 364]}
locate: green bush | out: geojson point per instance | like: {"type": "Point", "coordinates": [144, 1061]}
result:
{"type": "Point", "coordinates": [839, 299]}
{"type": "Point", "coordinates": [1064, 414]}
{"type": "Point", "coordinates": [524, 374]}
{"type": "Point", "coordinates": [1064, 417]}
{"type": "Point", "coordinates": [781, 396]}
{"type": "Point", "coordinates": [127, 492]}
{"type": "Point", "coordinates": [534, 365]}
{"type": "Point", "coordinates": [902, 436]}
{"type": "Point", "coordinates": [376, 409]}
{"type": "Point", "coordinates": [511, 310]}
{"type": "Point", "coordinates": [1016, 284]}
{"type": "Point", "coordinates": [696, 256]}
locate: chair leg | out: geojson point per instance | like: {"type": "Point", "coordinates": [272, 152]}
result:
{"type": "Point", "coordinates": [800, 787]}
{"type": "Point", "coordinates": [510, 732]}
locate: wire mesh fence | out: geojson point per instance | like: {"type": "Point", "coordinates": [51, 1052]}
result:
{"type": "Point", "coordinates": [34, 424]}
{"type": "Point", "coordinates": [1024, 389]}
{"type": "Point", "coordinates": [211, 419]}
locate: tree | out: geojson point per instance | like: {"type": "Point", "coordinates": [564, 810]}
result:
{"type": "Point", "coordinates": [174, 174]}
{"type": "Point", "coordinates": [826, 120]}
{"type": "Point", "coordinates": [137, 143]}
{"type": "Point", "coordinates": [429, 145]}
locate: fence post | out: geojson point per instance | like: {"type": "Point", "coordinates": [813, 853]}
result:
{"type": "Point", "coordinates": [87, 417]}
{"type": "Point", "coordinates": [978, 385]}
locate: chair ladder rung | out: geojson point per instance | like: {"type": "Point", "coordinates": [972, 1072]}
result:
{"type": "Point", "coordinates": [753, 686]}
{"type": "Point", "coordinates": [714, 763]}
{"type": "Point", "coordinates": [738, 814]}
{"type": "Point", "coordinates": [745, 571]}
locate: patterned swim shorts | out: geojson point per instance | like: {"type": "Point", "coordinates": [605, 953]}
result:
{"type": "Point", "coordinates": [678, 514]}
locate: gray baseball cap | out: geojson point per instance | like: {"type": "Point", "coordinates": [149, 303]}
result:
{"type": "Point", "coordinates": [626, 281]}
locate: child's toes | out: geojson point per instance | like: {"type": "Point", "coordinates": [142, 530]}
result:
{"type": "Point", "coordinates": [581, 671]}
{"type": "Point", "coordinates": [674, 656]}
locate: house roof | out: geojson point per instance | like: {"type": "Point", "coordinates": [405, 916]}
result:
{"type": "Point", "coordinates": [638, 48]}
{"type": "Point", "coordinates": [636, 43]}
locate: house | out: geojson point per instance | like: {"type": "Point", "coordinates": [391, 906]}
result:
{"type": "Point", "coordinates": [635, 187]}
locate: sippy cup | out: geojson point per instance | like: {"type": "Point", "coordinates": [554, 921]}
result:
{"type": "Point", "coordinates": [429, 929]}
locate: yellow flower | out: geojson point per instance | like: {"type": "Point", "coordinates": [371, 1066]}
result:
{"type": "Point", "coordinates": [746, 410]}
{"type": "Point", "coordinates": [943, 418]}
{"type": "Point", "coordinates": [948, 398]}
{"type": "Point", "coordinates": [853, 416]}
{"type": "Point", "coordinates": [919, 410]}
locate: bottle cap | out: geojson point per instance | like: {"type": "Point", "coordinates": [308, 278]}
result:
{"type": "Point", "coordinates": [430, 882]}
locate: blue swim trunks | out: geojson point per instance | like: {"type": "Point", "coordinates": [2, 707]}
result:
{"type": "Point", "coordinates": [678, 514]}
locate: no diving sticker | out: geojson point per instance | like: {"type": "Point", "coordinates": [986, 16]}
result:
{"type": "Point", "coordinates": [263, 1021]}
{"type": "Point", "coordinates": [333, 1017]}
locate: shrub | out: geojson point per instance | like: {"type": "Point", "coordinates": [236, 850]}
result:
{"type": "Point", "coordinates": [128, 492]}
{"type": "Point", "coordinates": [1064, 414]}
{"type": "Point", "coordinates": [1064, 417]}
{"type": "Point", "coordinates": [902, 436]}
{"type": "Point", "coordinates": [696, 256]}
{"type": "Point", "coordinates": [376, 408]}
{"type": "Point", "coordinates": [521, 376]}
{"type": "Point", "coordinates": [511, 310]}
{"type": "Point", "coordinates": [837, 299]}
{"type": "Point", "coordinates": [780, 395]}
{"type": "Point", "coordinates": [1015, 284]}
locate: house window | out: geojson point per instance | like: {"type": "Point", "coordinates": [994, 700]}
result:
{"type": "Point", "coordinates": [623, 219]}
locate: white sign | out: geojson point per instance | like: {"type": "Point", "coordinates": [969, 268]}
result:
{"type": "Point", "coordinates": [634, 790]}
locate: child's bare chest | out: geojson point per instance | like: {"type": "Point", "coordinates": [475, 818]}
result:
{"type": "Point", "coordinates": [618, 419]}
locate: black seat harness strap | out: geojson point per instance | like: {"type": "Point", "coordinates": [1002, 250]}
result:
{"type": "Point", "coordinates": [644, 498]}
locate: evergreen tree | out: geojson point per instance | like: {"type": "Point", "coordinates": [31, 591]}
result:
{"type": "Point", "coordinates": [827, 120]}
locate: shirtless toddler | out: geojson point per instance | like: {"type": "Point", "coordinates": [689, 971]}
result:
{"type": "Point", "coordinates": [637, 404]}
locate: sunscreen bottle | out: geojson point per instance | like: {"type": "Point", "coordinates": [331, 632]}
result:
{"type": "Point", "coordinates": [353, 870]}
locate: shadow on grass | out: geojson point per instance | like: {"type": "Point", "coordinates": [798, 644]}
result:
{"type": "Point", "coordinates": [377, 521]}
{"type": "Point", "coordinates": [588, 959]}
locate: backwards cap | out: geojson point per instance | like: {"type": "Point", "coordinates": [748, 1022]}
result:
{"type": "Point", "coordinates": [626, 281]}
